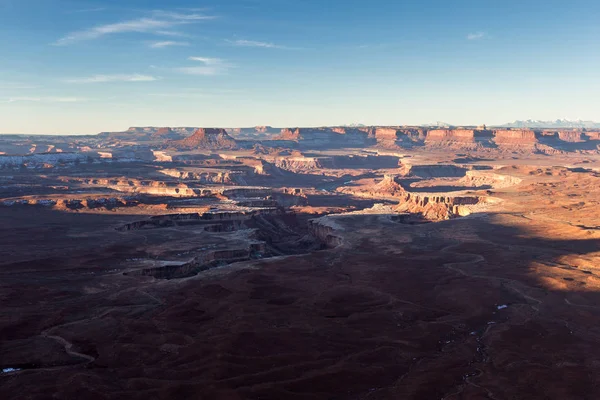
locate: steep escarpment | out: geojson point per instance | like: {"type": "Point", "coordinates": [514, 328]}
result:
{"type": "Point", "coordinates": [326, 230]}
{"type": "Point", "coordinates": [298, 164]}
{"type": "Point", "coordinates": [386, 136]}
{"type": "Point", "coordinates": [435, 207]}
{"type": "Point", "coordinates": [207, 176]}
{"type": "Point", "coordinates": [595, 136]}
{"type": "Point", "coordinates": [515, 137]}
{"type": "Point", "coordinates": [459, 138]}
{"type": "Point", "coordinates": [325, 137]}
{"type": "Point", "coordinates": [451, 135]}
{"type": "Point", "coordinates": [394, 137]}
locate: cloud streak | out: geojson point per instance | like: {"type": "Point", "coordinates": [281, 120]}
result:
{"type": "Point", "coordinates": [476, 36]}
{"type": "Point", "coordinates": [159, 23]}
{"type": "Point", "coordinates": [254, 43]}
{"type": "Point", "coordinates": [210, 66]}
{"type": "Point", "coordinates": [167, 43]}
{"type": "Point", "coordinates": [113, 78]}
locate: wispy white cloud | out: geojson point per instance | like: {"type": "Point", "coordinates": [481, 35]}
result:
{"type": "Point", "coordinates": [113, 78]}
{"type": "Point", "coordinates": [159, 22]}
{"type": "Point", "coordinates": [177, 16]}
{"type": "Point", "coordinates": [476, 36]}
{"type": "Point", "coordinates": [210, 66]}
{"type": "Point", "coordinates": [173, 34]}
{"type": "Point", "coordinates": [46, 99]}
{"type": "Point", "coordinates": [207, 60]}
{"type": "Point", "coordinates": [167, 43]}
{"type": "Point", "coordinates": [254, 43]}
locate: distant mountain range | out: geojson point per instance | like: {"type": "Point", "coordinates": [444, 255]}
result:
{"type": "Point", "coordinates": [559, 123]}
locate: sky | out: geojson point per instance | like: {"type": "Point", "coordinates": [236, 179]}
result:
{"type": "Point", "coordinates": [88, 66]}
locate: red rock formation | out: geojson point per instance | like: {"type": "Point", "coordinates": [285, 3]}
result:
{"type": "Point", "coordinates": [436, 208]}
{"type": "Point", "coordinates": [570, 136]}
{"type": "Point", "coordinates": [370, 131]}
{"type": "Point", "coordinates": [386, 134]}
{"type": "Point", "coordinates": [389, 186]}
{"type": "Point", "coordinates": [163, 131]}
{"type": "Point", "coordinates": [593, 135]}
{"type": "Point", "coordinates": [207, 138]}
{"type": "Point", "coordinates": [289, 134]}
{"type": "Point", "coordinates": [515, 137]}
{"type": "Point", "coordinates": [451, 135]}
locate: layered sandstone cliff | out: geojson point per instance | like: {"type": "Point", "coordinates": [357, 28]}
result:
{"type": "Point", "coordinates": [325, 137]}
{"type": "Point", "coordinates": [515, 137]}
{"type": "Point", "coordinates": [437, 207]}
{"type": "Point", "coordinates": [451, 135]}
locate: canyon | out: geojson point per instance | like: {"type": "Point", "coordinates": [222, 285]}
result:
{"type": "Point", "coordinates": [362, 262]}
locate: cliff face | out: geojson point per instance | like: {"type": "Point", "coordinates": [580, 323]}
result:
{"type": "Point", "coordinates": [593, 135]}
{"type": "Point", "coordinates": [437, 208]}
{"type": "Point", "coordinates": [452, 135]}
{"type": "Point", "coordinates": [570, 136]}
{"type": "Point", "coordinates": [515, 137]}
{"type": "Point", "coordinates": [207, 138]}
{"type": "Point", "coordinates": [327, 231]}
{"type": "Point", "coordinates": [325, 137]}
{"type": "Point", "coordinates": [390, 134]}
{"type": "Point", "coordinates": [289, 134]}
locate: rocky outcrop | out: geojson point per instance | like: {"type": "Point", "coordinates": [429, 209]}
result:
{"type": "Point", "coordinates": [204, 262]}
{"type": "Point", "coordinates": [161, 156]}
{"type": "Point", "coordinates": [388, 187]}
{"type": "Point", "coordinates": [164, 221]}
{"type": "Point", "coordinates": [206, 139]}
{"type": "Point", "coordinates": [260, 167]}
{"type": "Point", "coordinates": [135, 186]}
{"type": "Point", "coordinates": [571, 136]}
{"type": "Point", "coordinates": [386, 135]}
{"type": "Point", "coordinates": [437, 207]}
{"type": "Point", "coordinates": [298, 164]}
{"type": "Point", "coordinates": [593, 135]}
{"type": "Point", "coordinates": [208, 176]}
{"type": "Point", "coordinates": [289, 134]}
{"type": "Point", "coordinates": [326, 230]}
{"type": "Point", "coordinates": [489, 179]}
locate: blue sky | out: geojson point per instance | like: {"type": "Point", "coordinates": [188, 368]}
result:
{"type": "Point", "coordinates": [79, 66]}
